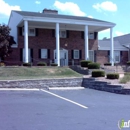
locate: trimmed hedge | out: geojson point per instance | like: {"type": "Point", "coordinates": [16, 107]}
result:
{"type": "Point", "coordinates": [113, 76]}
{"type": "Point", "coordinates": [128, 63]}
{"type": "Point", "coordinates": [41, 64]}
{"type": "Point", "coordinates": [93, 66]}
{"type": "Point", "coordinates": [107, 64]}
{"type": "Point", "coordinates": [98, 73]}
{"type": "Point", "coordinates": [84, 63]}
{"type": "Point", "coordinates": [2, 64]}
{"type": "Point", "coordinates": [27, 64]}
{"type": "Point", "coordinates": [54, 64]}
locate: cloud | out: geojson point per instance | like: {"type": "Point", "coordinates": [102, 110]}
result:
{"type": "Point", "coordinates": [5, 8]}
{"type": "Point", "coordinates": [118, 33]}
{"type": "Point", "coordinates": [69, 8]}
{"type": "Point", "coordinates": [37, 2]}
{"type": "Point", "coordinates": [90, 16]}
{"type": "Point", "coordinates": [105, 6]}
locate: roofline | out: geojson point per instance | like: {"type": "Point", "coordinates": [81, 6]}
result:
{"type": "Point", "coordinates": [67, 21]}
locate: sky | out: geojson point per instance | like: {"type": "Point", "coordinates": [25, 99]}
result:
{"type": "Point", "coordinates": [115, 11]}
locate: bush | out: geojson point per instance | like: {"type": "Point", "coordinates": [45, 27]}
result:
{"type": "Point", "coordinates": [128, 63]}
{"type": "Point", "coordinates": [113, 76]}
{"type": "Point", "coordinates": [2, 64]}
{"type": "Point", "coordinates": [98, 73]}
{"type": "Point", "coordinates": [107, 64]}
{"type": "Point", "coordinates": [84, 63]}
{"type": "Point", "coordinates": [27, 64]}
{"type": "Point", "coordinates": [54, 64]}
{"type": "Point", "coordinates": [93, 66]}
{"type": "Point", "coordinates": [41, 64]}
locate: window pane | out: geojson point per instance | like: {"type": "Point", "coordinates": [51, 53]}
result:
{"type": "Point", "coordinates": [43, 53]}
{"type": "Point", "coordinates": [76, 54]}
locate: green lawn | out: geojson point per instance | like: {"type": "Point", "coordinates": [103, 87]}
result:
{"type": "Point", "coordinates": [36, 72]}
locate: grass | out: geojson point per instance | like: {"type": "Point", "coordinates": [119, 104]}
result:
{"type": "Point", "coordinates": [11, 73]}
{"type": "Point", "coordinates": [126, 78]}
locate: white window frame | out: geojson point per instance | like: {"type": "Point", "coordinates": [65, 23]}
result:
{"type": "Point", "coordinates": [74, 52]}
{"type": "Point", "coordinates": [91, 36]}
{"type": "Point", "coordinates": [117, 52]}
{"type": "Point", "coordinates": [44, 54]}
{"type": "Point", "coordinates": [29, 33]}
{"type": "Point", "coordinates": [63, 34]}
{"type": "Point", "coordinates": [91, 51]}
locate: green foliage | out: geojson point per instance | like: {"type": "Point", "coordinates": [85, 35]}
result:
{"type": "Point", "coordinates": [5, 41]}
{"type": "Point", "coordinates": [98, 73]}
{"type": "Point", "coordinates": [113, 76]}
{"type": "Point", "coordinates": [128, 63]}
{"type": "Point", "coordinates": [84, 63]}
{"type": "Point", "coordinates": [107, 64]}
{"type": "Point", "coordinates": [41, 64]}
{"type": "Point", "coordinates": [27, 64]}
{"type": "Point", "coordinates": [126, 78]}
{"type": "Point", "coordinates": [93, 66]}
{"type": "Point", "coordinates": [54, 64]}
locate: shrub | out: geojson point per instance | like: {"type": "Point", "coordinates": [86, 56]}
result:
{"type": "Point", "coordinates": [107, 64]}
{"type": "Point", "coordinates": [2, 64]}
{"type": "Point", "coordinates": [128, 63]}
{"type": "Point", "coordinates": [113, 76]}
{"type": "Point", "coordinates": [98, 73]}
{"type": "Point", "coordinates": [93, 66]}
{"type": "Point", "coordinates": [54, 64]}
{"type": "Point", "coordinates": [27, 64]}
{"type": "Point", "coordinates": [41, 64]}
{"type": "Point", "coordinates": [84, 63]}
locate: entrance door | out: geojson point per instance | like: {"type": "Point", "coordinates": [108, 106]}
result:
{"type": "Point", "coordinates": [63, 57]}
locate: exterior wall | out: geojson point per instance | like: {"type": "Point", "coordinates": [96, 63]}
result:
{"type": "Point", "coordinates": [103, 57]}
{"type": "Point", "coordinates": [46, 40]}
{"type": "Point", "coordinates": [12, 24]}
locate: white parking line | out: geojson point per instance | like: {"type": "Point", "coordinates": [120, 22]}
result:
{"type": "Point", "coordinates": [64, 99]}
{"type": "Point", "coordinates": [19, 89]}
{"type": "Point", "coordinates": [66, 88]}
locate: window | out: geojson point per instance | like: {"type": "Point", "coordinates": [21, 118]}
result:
{"type": "Point", "coordinates": [63, 34]}
{"type": "Point", "coordinates": [76, 54]}
{"type": "Point", "coordinates": [44, 53]}
{"type": "Point", "coordinates": [117, 56]}
{"type": "Point", "coordinates": [91, 36]}
{"type": "Point", "coordinates": [31, 31]}
{"type": "Point", "coordinates": [91, 55]}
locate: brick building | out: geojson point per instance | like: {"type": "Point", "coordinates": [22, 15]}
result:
{"type": "Point", "coordinates": [51, 37]}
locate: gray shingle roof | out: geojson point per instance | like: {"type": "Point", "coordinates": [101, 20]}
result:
{"type": "Point", "coordinates": [124, 39]}
{"type": "Point", "coordinates": [106, 44]}
{"type": "Point", "coordinates": [37, 14]}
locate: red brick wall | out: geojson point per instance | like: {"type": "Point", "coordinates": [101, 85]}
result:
{"type": "Point", "coordinates": [102, 57]}
{"type": "Point", "coordinates": [45, 40]}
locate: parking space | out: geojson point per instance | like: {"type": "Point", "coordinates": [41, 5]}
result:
{"type": "Point", "coordinates": [82, 109]}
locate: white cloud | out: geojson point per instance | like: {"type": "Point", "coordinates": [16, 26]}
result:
{"type": "Point", "coordinates": [69, 8]}
{"type": "Point", "coordinates": [90, 16]}
{"type": "Point", "coordinates": [105, 6]}
{"type": "Point", "coordinates": [37, 2]}
{"type": "Point", "coordinates": [118, 33]}
{"type": "Point", "coordinates": [5, 8]}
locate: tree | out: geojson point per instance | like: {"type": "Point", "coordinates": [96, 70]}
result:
{"type": "Point", "coordinates": [6, 41]}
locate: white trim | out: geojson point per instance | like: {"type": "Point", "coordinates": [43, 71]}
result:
{"type": "Point", "coordinates": [43, 50]}
{"type": "Point", "coordinates": [86, 43]}
{"type": "Point", "coordinates": [65, 52]}
{"type": "Point", "coordinates": [68, 21]}
{"type": "Point", "coordinates": [117, 52]}
{"type": "Point", "coordinates": [75, 50]}
{"type": "Point", "coordinates": [57, 44]}
{"type": "Point", "coordinates": [112, 47]}
{"type": "Point", "coordinates": [92, 55]}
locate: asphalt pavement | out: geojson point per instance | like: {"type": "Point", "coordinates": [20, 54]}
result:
{"type": "Point", "coordinates": [83, 109]}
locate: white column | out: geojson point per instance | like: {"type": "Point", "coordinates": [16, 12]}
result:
{"type": "Point", "coordinates": [86, 43]}
{"type": "Point", "coordinates": [26, 41]}
{"type": "Point", "coordinates": [57, 45]}
{"type": "Point", "coordinates": [112, 47]}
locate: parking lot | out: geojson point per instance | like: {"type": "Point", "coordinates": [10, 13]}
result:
{"type": "Point", "coordinates": [82, 109]}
